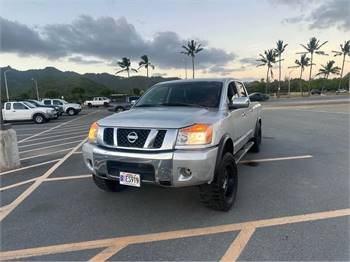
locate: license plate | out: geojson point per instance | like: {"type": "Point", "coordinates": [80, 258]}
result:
{"type": "Point", "coordinates": [129, 179]}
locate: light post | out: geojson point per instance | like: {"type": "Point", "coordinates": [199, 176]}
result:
{"type": "Point", "coordinates": [6, 87]}
{"type": "Point", "coordinates": [36, 87]}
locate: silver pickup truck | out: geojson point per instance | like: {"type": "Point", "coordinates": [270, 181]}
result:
{"type": "Point", "coordinates": [179, 133]}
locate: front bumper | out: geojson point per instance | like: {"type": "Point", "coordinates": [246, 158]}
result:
{"type": "Point", "coordinates": [167, 166]}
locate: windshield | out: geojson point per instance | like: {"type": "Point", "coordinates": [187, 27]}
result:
{"type": "Point", "coordinates": [30, 105]}
{"type": "Point", "coordinates": [196, 94]}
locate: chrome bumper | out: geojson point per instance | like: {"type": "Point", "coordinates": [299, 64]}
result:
{"type": "Point", "coordinates": [168, 166]}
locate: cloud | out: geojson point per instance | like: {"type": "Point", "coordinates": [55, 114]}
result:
{"type": "Point", "coordinates": [248, 61]}
{"type": "Point", "coordinates": [104, 38]}
{"type": "Point", "coordinates": [223, 71]}
{"type": "Point", "coordinates": [327, 14]}
{"type": "Point", "coordinates": [82, 60]}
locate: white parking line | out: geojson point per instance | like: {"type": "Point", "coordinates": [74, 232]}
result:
{"type": "Point", "coordinates": [50, 141]}
{"type": "Point", "coordinates": [17, 184]}
{"type": "Point", "coordinates": [48, 130]}
{"type": "Point", "coordinates": [58, 135]}
{"type": "Point", "coordinates": [37, 183]}
{"type": "Point", "coordinates": [275, 159]}
{"type": "Point", "coordinates": [27, 167]}
{"type": "Point", "coordinates": [50, 153]}
{"type": "Point", "coordinates": [41, 148]}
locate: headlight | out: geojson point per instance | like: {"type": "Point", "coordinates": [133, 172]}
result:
{"type": "Point", "coordinates": [93, 132]}
{"type": "Point", "coordinates": [197, 134]}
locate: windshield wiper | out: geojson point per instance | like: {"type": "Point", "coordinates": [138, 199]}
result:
{"type": "Point", "coordinates": [183, 104]}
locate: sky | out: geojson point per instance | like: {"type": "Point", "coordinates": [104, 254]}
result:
{"type": "Point", "coordinates": [91, 36]}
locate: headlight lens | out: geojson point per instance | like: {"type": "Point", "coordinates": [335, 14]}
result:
{"type": "Point", "coordinates": [93, 132]}
{"type": "Point", "coordinates": [197, 134]}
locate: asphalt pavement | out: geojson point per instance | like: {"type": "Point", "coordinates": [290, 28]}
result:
{"type": "Point", "coordinates": [292, 202]}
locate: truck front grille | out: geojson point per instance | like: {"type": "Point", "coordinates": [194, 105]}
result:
{"type": "Point", "coordinates": [158, 141]}
{"type": "Point", "coordinates": [108, 136]}
{"type": "Point", "coordinates": [141, 134]}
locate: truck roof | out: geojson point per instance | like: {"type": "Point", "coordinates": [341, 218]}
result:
{"type": "Point", "coordinates": [223, 79]}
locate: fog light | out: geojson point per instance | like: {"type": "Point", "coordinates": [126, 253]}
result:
{"type": "Point", "coordinates": [186, 172]}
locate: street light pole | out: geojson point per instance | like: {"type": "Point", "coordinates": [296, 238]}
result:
{"type": "Point", "coordinates": [36, 87]}
{"type": "Point", "coordinates": [6, 87]}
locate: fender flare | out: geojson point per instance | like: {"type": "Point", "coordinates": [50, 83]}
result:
{"type": "Point", "coordinates": [221, 148]}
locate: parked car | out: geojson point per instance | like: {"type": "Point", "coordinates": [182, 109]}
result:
{"type": "Point", "coordinates": [22, 110]}
{"type": "Point", "coordinates": [258, 97]}
{"type": "Point", "coordinates": [341, 91]}
{"type": "Point", "coordinates": [125, 104]}
{"type": "Point", "coordinates": [315, 92]}
{"type": "Point", "coordinates": [40, 104]}
{"type": "Point", "coordinates": [179, 133]}
{"type": "Point", "coordinates": [98, 101]}
{"type": "Point", "coordinates": [69, 108]}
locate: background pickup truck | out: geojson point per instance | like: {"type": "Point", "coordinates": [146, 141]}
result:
{"type": "Point", "coordinates": [98, 101]}
{"type": "Point", "coordinates": [179, 133]}
{"type": "Point", "coordinates": [123, 103]}
{"type": "Point", "coordinates": [22, 110]}
{"type": "Point", "coordinates": [70, 109]}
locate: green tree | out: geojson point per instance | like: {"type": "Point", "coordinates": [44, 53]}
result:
{"type": "Point", "coordinates": [313, 47]}
{"type": "Point", "coordinates": [345, 51]}
{"type": "Point", "coordinates": [136, 91]}
{"type": "Point", "coordinates": [280, 48]}
{"type": "Point", "coordinates": [302, 63]}
{"type": "Point", "coordinates": [145, 63]}
{"type": "Point", "coordinates": [267, 59]}
{"type": "Point", "coordinates": [191, 49]}
{"type": "Point", "coordinates": [52, 94]}
{"type": "Point", "coordinates": [327, 70]}
{"type": "Point", "coordinates": [125, 64]}
{"type": "Point", "coordinates": [78, 92]}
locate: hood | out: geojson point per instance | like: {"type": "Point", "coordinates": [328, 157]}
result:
{"type": "Point", "coordinates": [160, 117]}
{"type": "Point", "coordinates": [72, 105]}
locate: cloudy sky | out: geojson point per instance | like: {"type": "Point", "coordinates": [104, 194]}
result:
{"type": "Point", "coordinates": [90, 36]}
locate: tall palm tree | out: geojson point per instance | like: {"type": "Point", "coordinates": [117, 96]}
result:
{"type": "Point", "coordinates": [191, 49]}
{"type": "Point", "coordinates": [345, 51]}
{"type": "Point", "coordinates": [280, 47]}
{"type": "Point", "coordinates": [313, 47]}
{"type": "Point", "coordinates": [327, 70]}
{"type": "Point", "coordinates": [267, 59]}
{"type": "Point", "coordinates": [145, 63]}
{"type": "Point", "coordinates": [125, 64]}
{"type": "Point", "coordinates": [302, 63]}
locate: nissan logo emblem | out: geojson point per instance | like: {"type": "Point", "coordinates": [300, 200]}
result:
{"type": "Point", "coordinates": [132, 137]}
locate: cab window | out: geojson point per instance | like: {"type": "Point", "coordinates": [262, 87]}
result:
{"type": "Point", "coordinates": [47, 102]}
{"type": "Point", "coordinates": [8, 106]}
{"type": "Point", "coordinates": [19, 106]}
{"type": "Point", "coordinates": [241, 90]}
{"type": "Point", "coordinates": [57, 102]}
{"type": "Point", "coordinates": [231, 92]}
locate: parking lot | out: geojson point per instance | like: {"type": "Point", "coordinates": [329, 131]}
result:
{"type": "Point", "coordinates": [292, 202]}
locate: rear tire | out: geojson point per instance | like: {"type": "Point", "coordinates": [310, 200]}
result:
{"type": "Point", "coordinates": [257, 139]}
{"type": "Point", "coordinates": [119, 109]}
{"type": "Point", "coordinates": [90, 105]}
{"type": "Point", "coordinates": [108, 185]}
{"type": "Point", "coordinates": [39, 118]}
{"type": "Point", "coordinates": [221, 193]}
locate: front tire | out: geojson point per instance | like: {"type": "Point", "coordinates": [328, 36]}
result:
{"type": "Point", "coordinates": [71, 111]}
{"type": "Point", "coordinates": [108, 185]}
{"type": "Point", "coordinates": [119, 109]}
{"type": "Point", "coordinates": [39, 118]}
{"type": "Point", "coordinates": [221, 193]}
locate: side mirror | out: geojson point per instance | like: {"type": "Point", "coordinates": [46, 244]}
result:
{"type": "Point", "coordinates": [240, 102]}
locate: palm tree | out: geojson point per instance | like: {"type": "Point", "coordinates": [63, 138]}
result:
{"type": "Point", "coordinates": [145, 63]}
{"type": "Point", "coordinates": [302, 63]}
{"type": "Point", "coordinates": [192, 48]}
{"type": "Point", "coordinates": [280, 47]}
{"type": "Point", "coordinates": [345, 51]}
{"type": "Point", "coordinates": [267, 59]}
{"type": "Point", "coordinates": [328, 69]}
{"type": "Point", "coordinates": [125, 64]}
{"type": "Point", "coordinates": [313, 46]}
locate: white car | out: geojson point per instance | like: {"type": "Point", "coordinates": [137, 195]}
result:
{"type": "Point", "coordinates": [22, 110]}
{"type": "Point", "coordinates": [98, 101]}
{"type": "Point", "coordinates": [69, 108]}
